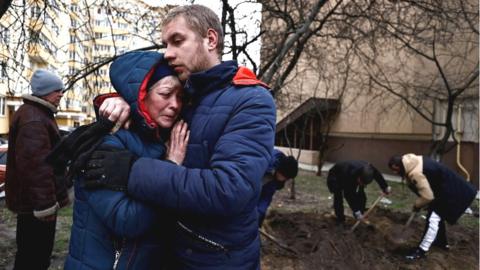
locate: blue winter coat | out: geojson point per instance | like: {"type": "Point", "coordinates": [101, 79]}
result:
{"type": "Point", "coordinates": [105, 221]}
{"type": "Point", "coordinates": [270, 185]}
{"type": "Point", "coordinates": [215, 193]}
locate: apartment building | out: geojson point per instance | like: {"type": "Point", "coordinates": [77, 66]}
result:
{"type": "Point", "coordinates": [77, 39]}
{"type": "Point", "coordinates": [322, 111]}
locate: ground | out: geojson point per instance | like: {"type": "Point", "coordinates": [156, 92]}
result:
{"type": "Point", "coordinates": [306, 227]}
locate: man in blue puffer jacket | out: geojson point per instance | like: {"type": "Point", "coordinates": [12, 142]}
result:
{"type": "Point", "coordinates": [281, 169]}
{"type": "Point", "coordinates": [110, 229]}
{"type": "Point", "coordinates": [232, 128]}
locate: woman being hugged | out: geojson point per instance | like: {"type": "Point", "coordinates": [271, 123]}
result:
{"type": "Point", "coordinates": [110, 229]}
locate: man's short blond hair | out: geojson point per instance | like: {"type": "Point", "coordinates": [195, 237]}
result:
{"type": "Point", "coordinates": [200, 19]}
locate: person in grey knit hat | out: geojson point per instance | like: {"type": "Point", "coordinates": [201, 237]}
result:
{"type": "Point", "coordinates": [44, 82]}
{"type": "Point", "coordinates": [34, 189]}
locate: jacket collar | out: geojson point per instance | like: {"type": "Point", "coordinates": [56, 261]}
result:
{"type": "Point", "coordinates": [40, 101]}
{"type": "Point", "coordinates": [215, 78]}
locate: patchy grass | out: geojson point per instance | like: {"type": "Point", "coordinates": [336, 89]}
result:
{"type": "Point", "coordinates": [7, 237]}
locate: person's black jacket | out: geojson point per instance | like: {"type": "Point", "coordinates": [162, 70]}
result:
{"type": "Point", "coordinates": [344, 175]}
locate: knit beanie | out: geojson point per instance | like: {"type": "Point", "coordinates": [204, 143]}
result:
{"type": "Point", "coordinates": [162, 70]}
{"type": "Point", "coordinates": [288, 166]}
{"type": "Point", "coordinates": [44, 82]}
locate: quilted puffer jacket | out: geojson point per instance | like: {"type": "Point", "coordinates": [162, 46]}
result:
{"type": "Point", "coordinates": [109, 227]}
{"type": "Point", "coordinates": [231, 118]}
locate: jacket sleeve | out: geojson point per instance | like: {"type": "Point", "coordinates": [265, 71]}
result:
{"type": "Point", "coordinates": [123, 215]}
{"type": "Point", "coordinates": [352, 198]}
{"type": "Point", "coordinates": [232, 181]}
{"type": "Point", "coordinates": [32, 147]}
{"type": "Point", "coordinates": [266, 197]}
{"type": "Point", "coordinates": [379, 179]}
{"type": "Point", "coordinates": [424, 190]}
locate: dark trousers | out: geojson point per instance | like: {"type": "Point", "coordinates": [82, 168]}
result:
{"type": "Point", "coordinates": [34, 242]}
{"type": "Point", "coordinates": [356, 201]}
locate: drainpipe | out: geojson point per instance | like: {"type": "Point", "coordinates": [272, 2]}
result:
{"type": "Point", "coordinates": [458, 137]}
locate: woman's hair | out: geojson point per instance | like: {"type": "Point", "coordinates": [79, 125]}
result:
{"type": "Point", "coordinates": [162, 70]}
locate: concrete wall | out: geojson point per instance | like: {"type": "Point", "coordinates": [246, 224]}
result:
{"type": "Point", "coordinates": [378, 151]}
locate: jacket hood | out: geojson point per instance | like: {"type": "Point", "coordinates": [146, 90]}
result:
{"type": "Point", "coordinates": [413, 164]}
{"type": "Point", "coordinates": [130, 74]}
{"type": "Point", "coordinates": [220, 76]}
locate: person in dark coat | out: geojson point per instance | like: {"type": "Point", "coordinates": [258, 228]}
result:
{"type": "Point", "coordinates": [281, 169]}
{"type": "Point", "coordinates": [442, 191]}
{"type": "Point", "coordinates": [34, 189]}
{"type": "Point", "coordinates": [110, 229]}
{"type": "Point", "coordinates": [215, 192]}
{"type": "Point", "coordinates": [349, 178]}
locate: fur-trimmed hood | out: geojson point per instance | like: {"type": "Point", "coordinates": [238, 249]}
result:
{"type": "Point", "coordinates": [41, 101]}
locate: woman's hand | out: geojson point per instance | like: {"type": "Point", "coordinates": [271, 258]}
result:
{"type": "Point", "coordinates": [177, 146]}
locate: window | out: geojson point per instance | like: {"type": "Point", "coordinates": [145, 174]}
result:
{"type": "Point", "coordinates": [2, 106]}
{"type": "Point", "coordinates": [3, 70]}
{"type": "Point", "coordinates": [5, 34]}
{"type": "Point", "coordinates": [35, 11]}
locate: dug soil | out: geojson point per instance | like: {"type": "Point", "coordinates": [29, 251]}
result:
{"type": "Point", "coordinates": [316, 242]}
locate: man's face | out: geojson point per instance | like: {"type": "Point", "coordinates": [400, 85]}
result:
{"type": "Point", "coordinates": [280, 177]}
{"type": "Point", "coordinates": [186, 52]}
{"type": "Point", "coordinates": [395, 169]}
{"type": "Point", "coordinates": [54, 97]}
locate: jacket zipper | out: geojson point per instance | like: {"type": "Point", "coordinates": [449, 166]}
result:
{"type": "Point", "coordinates": [118, 252]}
{"type": "Point", "coordinates": [202, 238]}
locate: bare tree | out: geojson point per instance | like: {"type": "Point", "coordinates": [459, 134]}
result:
{"type": "Point", "coordinates": [433, 50]}
{"type": "Point", "coordinates": [344, 42]}
{"type": "Point", "coordinates": [421, 53]}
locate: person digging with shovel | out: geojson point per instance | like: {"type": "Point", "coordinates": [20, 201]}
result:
{"type": "Point", "coordinates": [349, 178]}
{"type": "Point", "coordinates": [442, 191]}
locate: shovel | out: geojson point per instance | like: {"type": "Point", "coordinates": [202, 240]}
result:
{"type": "Point", "coordinates": [366, 213]}
{"type": "Point", "coordinates": [400, 234]}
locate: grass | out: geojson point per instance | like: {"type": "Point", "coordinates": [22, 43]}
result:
{"type": "Point", "coordinates": [62, 236]}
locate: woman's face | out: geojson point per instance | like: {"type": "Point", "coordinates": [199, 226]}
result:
{"type": "Point", "coordinates": [395, 169]}
{"type": "Point", "coordinates": [164, 101]}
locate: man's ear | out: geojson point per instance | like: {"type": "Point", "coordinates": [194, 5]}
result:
{"type": "Point", "coordinates": [212, 37]}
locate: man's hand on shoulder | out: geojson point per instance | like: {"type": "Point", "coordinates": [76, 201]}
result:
{"type": "Point", "coordinates": [109, 168]}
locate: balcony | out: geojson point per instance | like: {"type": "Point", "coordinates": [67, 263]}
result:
{"type": "Point", "coordinates": [37, 53]}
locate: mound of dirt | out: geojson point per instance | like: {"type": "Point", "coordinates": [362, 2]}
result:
{"type": "Point", "coordinates": [320, 244]}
